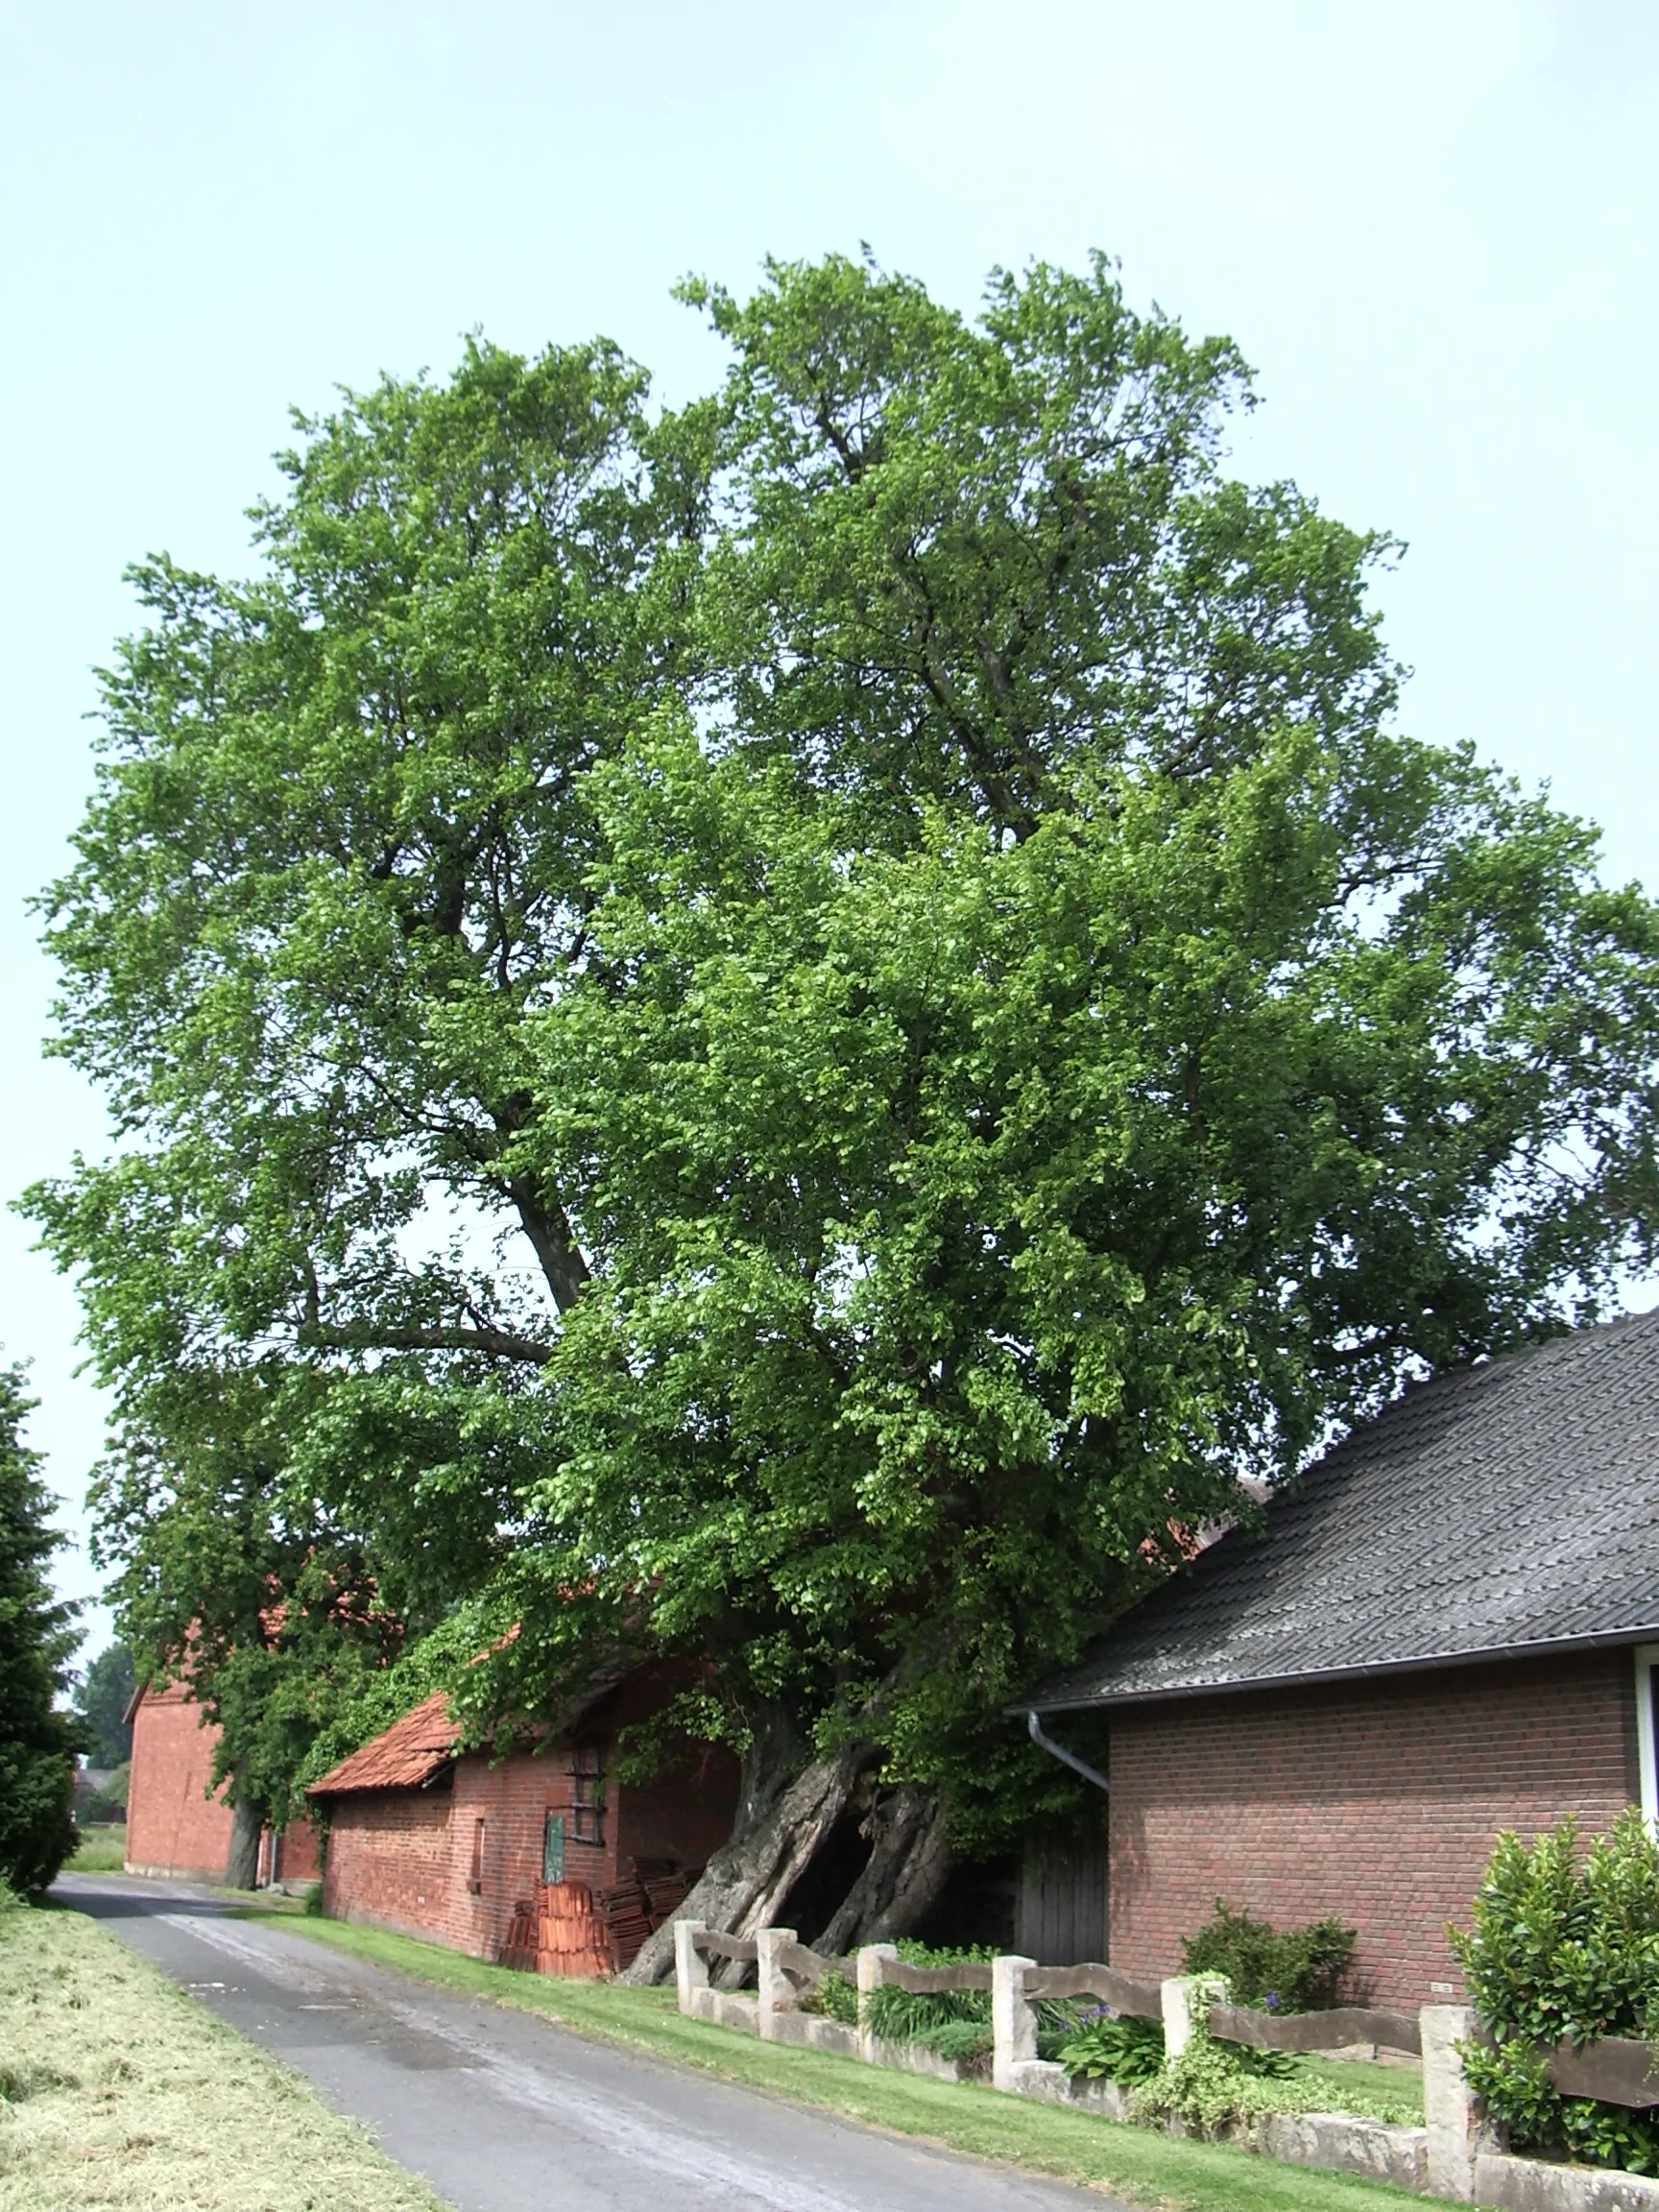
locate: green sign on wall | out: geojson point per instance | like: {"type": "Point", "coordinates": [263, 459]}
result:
{"type": "Point", "coordinates": [553, 1847]}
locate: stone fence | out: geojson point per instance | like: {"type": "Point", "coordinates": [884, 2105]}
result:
{"type": "Point", "coordinates": [1454, 2155]}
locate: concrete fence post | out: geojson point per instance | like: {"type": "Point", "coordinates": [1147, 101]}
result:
{"type": "Point", "coordinates": [873, 1960]}
{"type": "Point", "coordinates": [774, 1989]}
{"type": "Point", "coordinates": [1012, 2022]}
{"type": "Point", "coordinates": [1458, 2129]}
{"type": "Point", "coordinates": [690, 1967]}
{"type": "Point", "coordinates": [1185, 1999]}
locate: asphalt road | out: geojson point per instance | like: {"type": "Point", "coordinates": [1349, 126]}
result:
{"type": "Point", "coordinates": [502, 2113]}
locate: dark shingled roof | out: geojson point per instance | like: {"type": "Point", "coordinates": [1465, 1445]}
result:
{"type": "Point", "coordinates": [1508, 1508]}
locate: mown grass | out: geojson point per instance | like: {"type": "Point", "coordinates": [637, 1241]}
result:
{"type": "Point", "coordinates": [102, 1850]}
{"type": "Point", "coordinates": [119, 2093]}
{"type": "Point", "coordinates": [1401, 2086]}
{"type": "Point", "coordinates": [1149, 2168]}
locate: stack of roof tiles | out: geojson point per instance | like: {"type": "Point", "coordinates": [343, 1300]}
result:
{"type": "Point", "coordinates": [571, 1936]}
{"type": "Point", "coordinates": [637, 1907]}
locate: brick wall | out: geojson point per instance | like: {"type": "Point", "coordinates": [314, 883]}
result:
{"type": "Point", "coordinates": [388, 1863]}
{"type": "Point", "coordinates": [172, 1827]}
{"type": "Point", "coordinates": [402, 1859]}
{"type": "Point", "coordinates": [1377, 1801]}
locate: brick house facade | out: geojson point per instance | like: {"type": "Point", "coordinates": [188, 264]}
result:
{"type": "Point", "coordinates": [1445, 1628]}
{"type": "Point", "coordinates": [174, 1827]}
{"type": "Point", "coordinates": [1377, 1802]}
{"type": "Point", "coordinates": [453, 1848]}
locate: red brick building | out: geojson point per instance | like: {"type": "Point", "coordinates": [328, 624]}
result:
{"type": "Point", "coordinates": [463, 1850]}
{"type": "Point", "coordinates": [175, 1826]}
{"type": "Point", "coordinates": [1444, 1628]}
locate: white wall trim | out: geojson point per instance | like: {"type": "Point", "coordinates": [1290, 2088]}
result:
{"type": "Point", "coordinates": [1646, 1750]}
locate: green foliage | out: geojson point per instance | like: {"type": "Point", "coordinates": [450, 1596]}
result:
{"type": "Point", "coordinates": [1207, 2087]}
{"type": "Point", "coordinates": [957, 2022]}
{"type": "Point", "coordinates": [1216, 2086]}
{"type": "Point", "coordinates": [1564, 1945]}
{"type": "Point", "coordinates": [1114, 2047]}
{"type": "Point", "coordinates": [102, 1700]}
{"type": "Point", "coordinates": [389, 1692]}
{"type": "Point", "coordinates": [108, 1803]}
{"type": "Point", "coordinates": [1299, 1971]}
{"type": "Point", "coordinates": [38, 1740]}
{"type": "Point", "coordinates": [835, 1995]}
{"type": "Point", "coordinates": [777, 1034]}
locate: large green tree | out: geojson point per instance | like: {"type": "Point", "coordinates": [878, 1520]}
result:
{"type": "Point", "coordinates": [101, 1705]}
{"type": "Point", "coordinates": [39, 1739]}
{"type": "Point", "coordinates": [895, 895]}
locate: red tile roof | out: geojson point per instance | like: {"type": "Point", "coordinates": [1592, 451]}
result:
{"type": "Point", "coordinates": [409, 1753]}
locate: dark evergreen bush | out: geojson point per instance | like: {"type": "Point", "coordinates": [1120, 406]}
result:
{"type": "Point", "coordinates": [1299, 1971]}
{"type": "Point", "coordinates": [39, 1743]}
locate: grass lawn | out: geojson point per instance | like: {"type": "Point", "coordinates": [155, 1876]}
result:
{"type": "Point", "coordinates": [118, 2093]}
{"type": "Point", "coordinates": [1399, 2084]}
{"type": "Point", "coordinates": [102, 1850]}
{"type": "Point", "coordinates": [1151, 2169]}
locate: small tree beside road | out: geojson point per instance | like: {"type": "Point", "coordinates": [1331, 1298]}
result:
{"type": "Point", "coordinates": [39, 1743]}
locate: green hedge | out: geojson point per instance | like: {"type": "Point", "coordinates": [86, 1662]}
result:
{"type": "Point", "coordinates": [1565, 1943]}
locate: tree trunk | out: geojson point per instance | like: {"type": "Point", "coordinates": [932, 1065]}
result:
{"type": "Point", "coordinates": [242, 1868]}
{"type": "Point", "coordinates": [903, 1876]}
{"type": "Point", "coordinates": [785, 1813]}
{"type": "Point", "coordinates": [780, 1823]}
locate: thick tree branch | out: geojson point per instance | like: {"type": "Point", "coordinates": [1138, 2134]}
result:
{"type": "Point", "coordinates": [371, 1337]}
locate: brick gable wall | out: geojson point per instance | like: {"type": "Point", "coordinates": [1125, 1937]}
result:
{"type": "Point", "coordinates": [172, 1827]}
{"type": "Point", "coordinates": [1378, 1801]}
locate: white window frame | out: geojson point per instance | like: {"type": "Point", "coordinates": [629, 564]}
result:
{"type": "Point", "coordinates": [1647, 1749]}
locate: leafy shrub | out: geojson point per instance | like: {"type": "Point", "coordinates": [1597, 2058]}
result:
{"type": "Point", "coordinates": [1114, 2047]}
{"type": "Point", "coordinates": [835, 1996]}
{"type": "Point", "coordinates": [1299, 1971]}
{"type": "Point", "coordinates": [1565, 1947]}
{"type": "Point", "coordinates": [924, 2017]}
{"type": "Point", "coordinates": [963, 2041]}
{"type": "Point", "coordinates": [1213, 2086]}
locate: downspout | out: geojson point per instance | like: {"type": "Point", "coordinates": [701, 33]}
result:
{"type": "Point", "coordinates": [1065, 1758]}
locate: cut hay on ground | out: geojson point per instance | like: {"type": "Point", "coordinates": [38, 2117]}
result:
{"type": "Point", "coordinates": [119, 2093]}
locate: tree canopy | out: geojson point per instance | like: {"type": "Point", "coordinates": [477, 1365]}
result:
{"type": "Point", "coordinates": [792, 1031]}
{"type": "Point", "coordinates": [38, 1740]}
{"type": "Point", "coordinates": [101, 1705]}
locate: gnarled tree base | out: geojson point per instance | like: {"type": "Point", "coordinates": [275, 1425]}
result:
{"type": "Point", "coordinates": [748, 1880]}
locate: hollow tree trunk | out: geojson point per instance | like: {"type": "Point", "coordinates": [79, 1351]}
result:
{"type": "Point", "coordinates": [786, 1813]}
{"type": "Point", "coordinates": [902, 1880]}
{"type": "Point", "coordinates": [783, 1819]}
{"type": "Point", "coordinates": [242, 1866]}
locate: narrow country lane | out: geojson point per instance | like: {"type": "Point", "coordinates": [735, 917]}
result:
{"type": "Point", "coordinates": [502, 2113]}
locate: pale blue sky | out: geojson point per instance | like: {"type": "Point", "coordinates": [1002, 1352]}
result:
{"type": "Point", "coordinates": [1434, 229]}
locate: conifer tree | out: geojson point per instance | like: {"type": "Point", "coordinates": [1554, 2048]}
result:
{"type": "Point", "coordinates": [38, 1742]}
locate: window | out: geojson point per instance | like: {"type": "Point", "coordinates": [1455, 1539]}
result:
{"type": "Point", "coordinates": [1647, 1751]}
{"type": "Point", "coordinates": [475, 1881]}
{"type": "Point", "coordinates": [553, 1847]}
{"type": "Point", "coordinates": [586, 1795]}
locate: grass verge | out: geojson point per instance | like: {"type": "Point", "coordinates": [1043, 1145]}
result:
{"type": "Point", "coordinates": [102, 1850]}
{"type": "Point", "coordinates": [119, 2093]}
{"type": "Point", "coordinates": [1149, 2168]}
